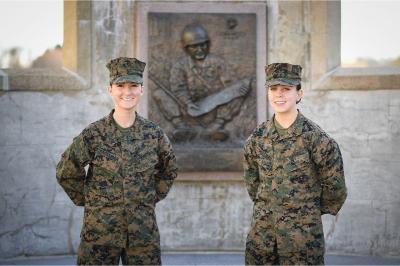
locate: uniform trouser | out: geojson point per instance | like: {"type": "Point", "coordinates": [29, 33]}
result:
{"type": "Point", "coordinates": [256, 256]}
{"type": "Point", "coordinates": [91, 254]}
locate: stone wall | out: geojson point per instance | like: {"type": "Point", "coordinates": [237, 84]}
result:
{"type": "Point", "coordinates": [367, 127]}
{"type": "Point", "coordinates": [205, 216]}
{"type": "Point", "coordinates": [204, 211]}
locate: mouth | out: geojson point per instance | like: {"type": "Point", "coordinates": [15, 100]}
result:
{"type": "Point", "coordinates": [128, 98]}
{"type": "Point", "coordinates": [280, 102]}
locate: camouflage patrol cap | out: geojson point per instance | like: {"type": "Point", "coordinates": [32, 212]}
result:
{"type": "Point", "coordinates": [125, 69]}
{"type": "Point", "coordinates": [283, 74]}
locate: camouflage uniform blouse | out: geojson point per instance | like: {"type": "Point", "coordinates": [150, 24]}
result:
{"type": "Point", "coordinates": [293, 180]}
{"type": "Point", "coordinates": [128, 174]}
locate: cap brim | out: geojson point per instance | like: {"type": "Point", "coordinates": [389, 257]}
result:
{"type": "Point", "coordinates": [198, 41]}
{"type": "Point", "coordinates": [282, 81]}
{"type": "Point", "coordinates": [129, 78]}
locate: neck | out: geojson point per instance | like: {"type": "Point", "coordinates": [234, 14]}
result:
{"type": "Point", "coordinates": [124, 118]}
{"type": "Point", "coordinates": [286, 119]}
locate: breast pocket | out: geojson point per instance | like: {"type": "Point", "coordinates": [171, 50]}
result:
{"type": "Point", "coordinates": [299, 168]}
{"type": "Point", "coordinates": [106, 158]}
{"type": "Point", "coordinates": [102, 187]}
{"type": "Point", "coordinates": [298, 162]}
{"type": "Point", "coordinates": [143, 161]}
{"type": "Point", "coordinates": [144, 156]}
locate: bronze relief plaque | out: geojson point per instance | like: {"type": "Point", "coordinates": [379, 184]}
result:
{"type": "Point", "coordinates": [202, 92]}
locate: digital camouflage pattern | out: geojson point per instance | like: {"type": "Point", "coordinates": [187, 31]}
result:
{"type": "Point", "coordinates": [129, 172]}
{"type": "Point", "coordinates": [91, 254]}
{"type": "Point", "coordinates": [125, 69]}
{"type": "Point", "coordinates": [283, 74]}
{"type": "Point", "coordinates": [292, 179]}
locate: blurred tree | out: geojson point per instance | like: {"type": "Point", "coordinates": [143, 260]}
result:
{"type": "Point", "coordinates": [52, 58]}
{"type": "Point", "coordinates": [14, 60]}
{"type": "Point", "coordinates": [396, 62]}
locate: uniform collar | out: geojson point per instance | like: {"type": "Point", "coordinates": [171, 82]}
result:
{"type": "Point", "coordinates": [135, 131]}
{"type": "Point", "coordinates": [294, 130]}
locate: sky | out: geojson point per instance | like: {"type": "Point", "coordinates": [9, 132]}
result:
{"type": "Point", "coordinates": [369, 27]}
{"type": "Point", "coordinates": [33, 25]}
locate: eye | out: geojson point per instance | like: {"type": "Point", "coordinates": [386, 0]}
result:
{"type": "Point", "coordinates": [134, 86]}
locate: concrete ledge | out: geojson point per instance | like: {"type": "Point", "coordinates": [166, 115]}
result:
{"type": "Point", "coordinates": [210, 159]}
{"type": "Point", "coordinates": [43, 79]}
{"type": "Point", "coordinates": [371, 78]}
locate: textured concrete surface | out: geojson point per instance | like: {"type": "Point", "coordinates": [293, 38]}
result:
{"type": "Point", "coordinates": [208, 215]}
{"type": "Point", "coordinates": [207, 259]}
{"type": "Point", "coordinates": [367, 127]}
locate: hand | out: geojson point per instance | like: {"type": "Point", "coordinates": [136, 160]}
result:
{"type": "Point", "coordinates": [244, 90]}
{"type": "Point", "coordinates": [192, 106]}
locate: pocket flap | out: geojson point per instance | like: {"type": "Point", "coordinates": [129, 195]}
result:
{"type": "Point", "coordinates": [145, 162]}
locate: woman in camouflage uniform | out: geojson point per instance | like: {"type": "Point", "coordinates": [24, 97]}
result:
{"type": "Point", "coordinates": [131, 168]}
{"type": "Point", "coordinates": [294, 174]}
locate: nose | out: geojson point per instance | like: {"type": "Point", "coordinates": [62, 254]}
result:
{"type": "Point", "coordinates": [130, 90]}
{"type": "Point", "coordinates": [279, 92]}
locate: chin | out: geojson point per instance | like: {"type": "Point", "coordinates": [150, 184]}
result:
{"type": "Point", "coordinates": [279, 109]}
{"type": "Point", "coordinates": [128, 108]}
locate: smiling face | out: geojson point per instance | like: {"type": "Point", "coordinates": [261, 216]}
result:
{"type": "Point", "coordinates": [283, 98]}
{"type": "Point", "coordinates": [126, 95]}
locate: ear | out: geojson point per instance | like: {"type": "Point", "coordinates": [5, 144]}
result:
{"type": "Point", "coordinates": [109, 89]}
{"type": "Point", "coordinates": [141, 89]}
{"type": "Point", "coordinates": [300, 94]}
